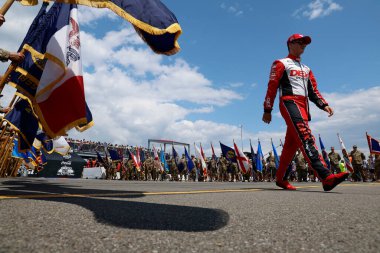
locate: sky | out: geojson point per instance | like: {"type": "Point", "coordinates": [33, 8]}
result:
{"type": "Point", "coordinates": [213, 89]}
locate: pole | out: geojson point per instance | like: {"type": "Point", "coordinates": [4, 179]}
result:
{"type": "Point", "coordinates": [11, 68]}
{"type": "Point", "coordinates": [6, 6]}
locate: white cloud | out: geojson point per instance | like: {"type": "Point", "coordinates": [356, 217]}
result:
{"type": "Point", "coordinates": [233, 8]}
{"type": "Point", "coordinates": [317, 9]}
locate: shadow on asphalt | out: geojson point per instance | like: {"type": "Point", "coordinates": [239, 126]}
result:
{"type": "Point", "coordinates": [124, 213]}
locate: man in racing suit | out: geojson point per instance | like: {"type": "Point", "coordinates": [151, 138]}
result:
{"type": "Point", "coordinates": [296, 84]}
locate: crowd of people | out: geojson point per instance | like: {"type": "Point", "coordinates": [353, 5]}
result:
{"type": "Point", "coordinates": [221, 169]}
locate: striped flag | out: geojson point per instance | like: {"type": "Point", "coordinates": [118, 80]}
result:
{"type": "Point", "coordinates": [373, 144]}
{"type": "Point", "coordinates": [242, 160]}
{"type": "Point", "coordinates": [345, 155]}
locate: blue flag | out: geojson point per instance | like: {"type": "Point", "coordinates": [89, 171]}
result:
{"type": "Point", "coordinates": [259, 158]}
{"type": "Point", "coordinates": [163, 160]}
{"type": "Point", "coordinates": [152, 20]}
{"type": "Point", "coordinates": [324, 153]}
{"type": "Point", "coordinates": [23, 119]}
{"type": "Point", "coordinates": [100, 159]}
{"type": "Point", "coordinates": [114, 155]}
{"type": "Point", "coordinates": [374, 145]}
{"type": "Point", "coordinates": [276, 159]}
{"type": "Point", "coordinates": [190, 164]}
{"type": "Point", "coordinates": [228, 152]}
{"type": "Point", "coordinates": [47, 143]}
{"type": "Point", "coordinates": [253, 156]}
{"type": "Point", "coordinates": [175, 156]}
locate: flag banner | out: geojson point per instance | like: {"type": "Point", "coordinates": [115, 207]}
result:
{"type": "Point", "coordinates": [46, 142]}
{"type": "Point", "coordinates": [175, 156]}
{"type": "Point", "coordinates": [115, 155]}
{"type": "Point", "coordinates": [51, 74]}
{"type": "Point", "coordinates": [202, 153]}
{"type": "Point", "coordinates": [242, 160]}
{"type": "Point", "coordinates": [345, 155]}
{"type": "Point", "coordinates": [23, 119]}
{"type": "Point", "coordinates": [61, 146]}
{"type": "Point", "coordinates": [276, 158]}
{"type": "Point", "coordinates": [89, 121]}
{"type": "Point", "coordinates": [163, 160]}
{"type": "Point", "coordinates": [152, 20]}
{"type": "Point", "coordinates": [198, 153]}
{"type": "Point", "coordinates": [155, 153]}
{"type": "Point", "coordinates": [142, 155]}
{"type": "Point", "coordinates": [324, 153]}
{"type": "Point", "coordinates": [213, 152]}
{"type": "Point", "coordinates": [135, 160]}
{"type": "Point", "coordinates": [374, 145]}
{"type": "Point", "coordinates": [138, 159]}
{"type": "Point", "coordinates": [228, 152]}
{"type": "Point", "coordinates": [190, 164]}
{"type": "Point", "coordinates": [259, 158]}
{"type": "Point", "coordinates": [253, 156]}
{"type": "Point", "coordinates": [100, 159]}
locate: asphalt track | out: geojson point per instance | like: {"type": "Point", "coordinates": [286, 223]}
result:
{"type": "Point", "coordinates": [68, 215]}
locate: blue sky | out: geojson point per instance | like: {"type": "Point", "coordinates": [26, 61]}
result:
{"type": "Point", "coordinates": [218, 80]}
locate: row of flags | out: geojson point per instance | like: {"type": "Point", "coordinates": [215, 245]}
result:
{"type": "Point", "coordinates": [49, 82]}
{"type": "Point", "coordinates": [237, 156]}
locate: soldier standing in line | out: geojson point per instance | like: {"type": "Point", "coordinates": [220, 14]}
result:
{"type": "Point", "coordinates": [377, 168]}
{"type": "Point", "coordinates": [357, 163]}
{"type": "Point", "coordinates": [271, 167]}
{"type": "Point", "coordinates": [182, 167]}
{"type": "Point", "coordinates": [222, 164]}
{"type": "Point", "coordinates": [334, 161]}
{"type": "Point", "coordinates": [173, 170]}
{"type": "Point", "coordinates": [301, 167]}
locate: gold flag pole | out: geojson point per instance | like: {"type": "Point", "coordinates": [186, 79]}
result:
{"type": "Point", "coordinates": [6, 6]}
{"type": "Point", "coordinates": [5, 77]}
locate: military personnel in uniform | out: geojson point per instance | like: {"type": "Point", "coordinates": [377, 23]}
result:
{"type": "Point", "coordinates": [173, 170]}
{"type": "Point", "coordinates": [357, 163]}
{"type": "Point", "coordinates": [222, 164]}
{"type": "Point", "coordinates": [271, 167]}
{"type": "Point", "coordinates": [193, 173]}
{"type": "Point", "coordinates": [301, 167]}
{"type": "Point", "coordinates": [334, 161]}
{"type": "Point", "coordinates": [182, 168]}
{"type": "Point", "coordinates": [377, 168]}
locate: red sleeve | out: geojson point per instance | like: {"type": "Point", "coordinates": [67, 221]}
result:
{"type": "Point", "coordinates": [314, 94]}
{"type": "Point", "coordinates": [276, 73]}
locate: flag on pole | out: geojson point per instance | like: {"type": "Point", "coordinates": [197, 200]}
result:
{"type": "Point", "coordinates": [259, 158]}
{"type": "Point", "coordinates": [324, 153]}
{"type": "Point", "coordinates": [213, 152]}
{"type": "Point", "coordinates": [253, 155]}
{"type": "Point", "coordinates": [175, 156]}
{"type": "Point", "coordinates": [24, 121]}
{"type": "Point", "coordinates": [198, 153]}
{"type": "Point", "coordinates": [135, 160]}
{"type": "Point", "coordinates": [202, 153]}
{"type": "Point", "coordinates": [374, 145]}
{"type": "Point", "coordinates": [152, 20]}
{"type": "Point", "coordinates": [44, 141]}
{"type": "Point", "coordinates": [115, 155]}
{"type": "Point", "coordinates": [242, 160]}
{"type": "Point", "coordinates": [190, 164]}
{"type": "Point", "coordinates": [163, 160]}
{"type": "Point", "coordinates": [155, 154]}
{"type": "Point", "coordinates": [276, 158]}
{"type": "Point", "coordinates": [138, 159]}
{"type": "Point", "coordinates": [51, 74]}
{"type": "Point", "coordinates": [100, 159]}
{"type": "Point", "coordinates": [345, 155]}
{"type": "Point", "coordinates": [228, 152]}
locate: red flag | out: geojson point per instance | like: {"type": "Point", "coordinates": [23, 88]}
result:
{"type": "Point", "coordinates": [242, 160]}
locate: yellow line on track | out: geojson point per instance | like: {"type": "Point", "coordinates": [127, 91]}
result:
{"type": "Point", "coordinates": [126, 194]}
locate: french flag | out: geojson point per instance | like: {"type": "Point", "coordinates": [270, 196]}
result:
{"type": "Point", "coordinates": [60, 97]}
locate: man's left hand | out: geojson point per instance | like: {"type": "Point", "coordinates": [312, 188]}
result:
{"type": "Point", "coordinates": [329, 110]}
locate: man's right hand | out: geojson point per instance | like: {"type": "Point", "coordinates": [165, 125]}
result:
{"type": "Point", "coordinates": [2, 19]}
{"type": "Point", "coordinates": [267, 117]}
{"type": "Point", "coordinates": [16, 57]}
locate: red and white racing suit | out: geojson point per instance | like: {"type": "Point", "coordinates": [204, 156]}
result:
{"type": "Point", "coordinates": [296, 84]}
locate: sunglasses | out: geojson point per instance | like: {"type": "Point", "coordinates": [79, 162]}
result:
{"type": "Point", "coordinates": [300, 42]}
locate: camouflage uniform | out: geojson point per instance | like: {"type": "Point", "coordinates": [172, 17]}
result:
{"type": "Point", "coordinates": [271, 167]}
{"type": "Point", "coordinates": [334, 162]}
{"type": "Point", "coordinates": [173, 170]}
{"type": "Point", "coordinates": [148, 167]}
{"type": "Point", "coordinates": [182, 168]}
{"type": "Point", "coordinates": [357, 164]}
{"type": "Point", "coordinates": [4, 55]}
{"type": "Point", "coordinates": [301, 167]}
{"type": "Point", "coordinates": [222, 169]}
